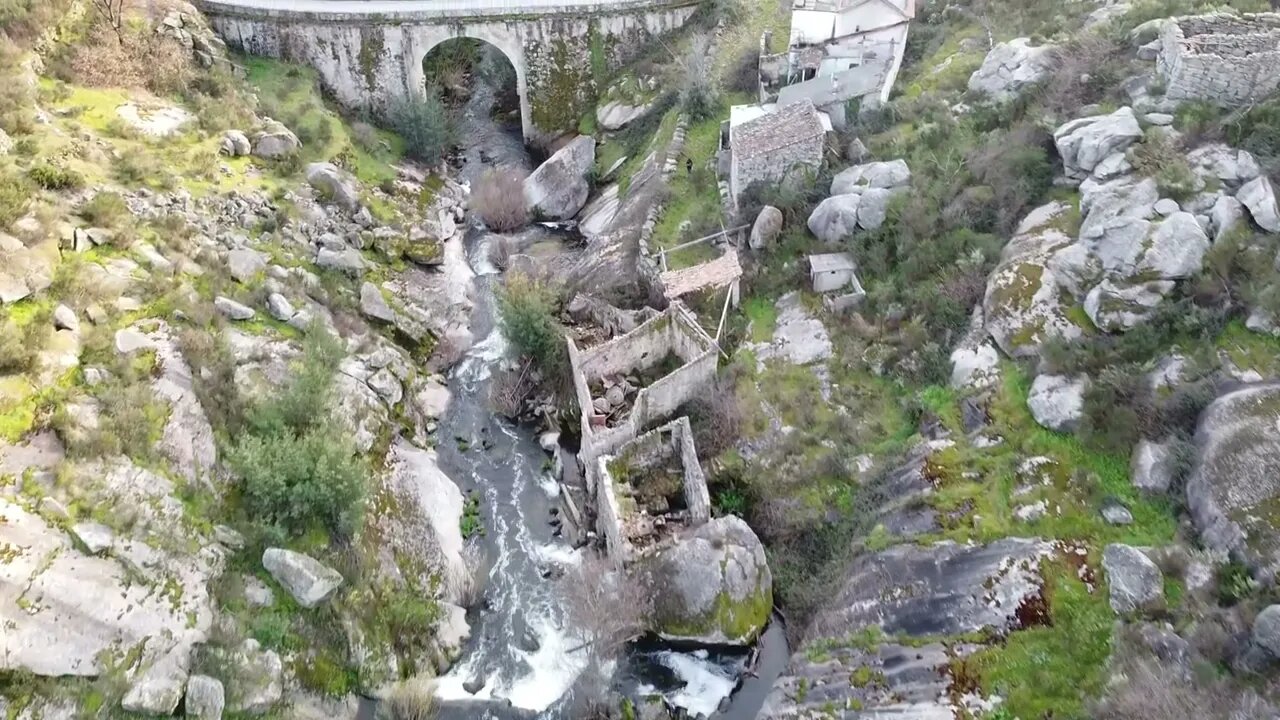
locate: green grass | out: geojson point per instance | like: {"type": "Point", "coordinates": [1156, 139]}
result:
{"type": "Point", "coordinates": [694, 197]}
{"type": "Point", "coordinates": [763, 315]}
{"type": "Point", "coordinates": [981, 481]}
{"type": "Point", "coordinates": [1053, 670]}
{"type": "Point", "coordinates": [1250, 350]}
{"type": "Point", "coordinates": [290, 94]}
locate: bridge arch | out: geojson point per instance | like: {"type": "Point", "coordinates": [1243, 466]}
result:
{"type": "Point", "coordinates": [506, 38]}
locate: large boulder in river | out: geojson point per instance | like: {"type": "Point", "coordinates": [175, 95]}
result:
{"type": "Point", "coordinates": [1010, 67]}
{"type": "Point", "coordinates": [1085, 142]}
{"type": "Point", "coordinates": [1234, 490]}
{"type": "Point", "coordinates": [713, 586]}
{"type": "Point", "coordinates": [558, 189]}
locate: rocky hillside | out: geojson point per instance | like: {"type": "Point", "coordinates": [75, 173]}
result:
{"type": "Point", "coordinates": [219, 339]}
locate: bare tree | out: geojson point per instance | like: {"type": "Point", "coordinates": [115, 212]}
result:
{"type": "Point", "coordinates": [609, 608]}
{"type": "Point", "coordinates": [499, 199]}
{"type": "Point", "coordinates": [112, 12]}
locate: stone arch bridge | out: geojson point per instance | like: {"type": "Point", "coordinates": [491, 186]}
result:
{"type": "Point", "coordinates": [369, 53]}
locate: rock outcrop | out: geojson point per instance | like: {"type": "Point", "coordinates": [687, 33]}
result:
{"type": "Point", "coordinates": [1085, 142]}
{"type": "Point", "coordinates": [1010, 67]}
{"type": "Point", "coordinates": [1057, 401]}
{"type": "Point", "coordinates": [715, 585]}
{"type": "Point", "coordinates": [1237, 477]}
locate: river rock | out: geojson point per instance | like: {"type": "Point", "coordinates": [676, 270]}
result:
{"type": "Point", "coordinates": [260, 675]}
{"type": "Point", "coordinates": [275, 141]}
{"type": "Point", "coordinates": [717, 587]}
{"type": "Point", "coordinates": [1010, 67]}
{"type": "Point", "coordinates": [558, 189]}
{"type": "Point", "coordinates": [1134, 581]}
{"type": "Point", "coordinates": [1084, 142]}
{"type": "Point", "coordinates": [1260, 198]}
{"type": "Point", "coordinates": [373, 305]}
{"type": "Point", "coordinates": [235, 144]}
{"type": "Point", "coordinates": [245, 263]}
{"type": "Point", "coordinates": [1266, 630]}
{"type": "Point", "coordinates": [835, 218]}
{"type": "Point", "coordinates": [1151, 467]}
{"type": "Point", "coordinates": [308, 580]}
{"type": "Point", "coordinates": [205, 698]}
{"type": "Point", "coordinates": [332, 183]}
{"type": "Point", "coordinates": [232, 310]}
{"type": "Point", "coordinates": [1237, 477]}
{"type": "Point", "coordinates": [767, 227]}
{"type": "Point", "coordinates": [940, 589]}
{"type": "Point", "coordinates": [884, 175]}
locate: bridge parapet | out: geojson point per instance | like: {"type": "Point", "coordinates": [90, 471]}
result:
{"type": "Point", "coordinates": [369, 53]}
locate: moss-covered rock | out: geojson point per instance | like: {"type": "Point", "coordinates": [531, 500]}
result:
{"type": "Point", "coordinates": [714, 585]}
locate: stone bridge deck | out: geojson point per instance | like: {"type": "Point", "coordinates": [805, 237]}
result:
{"type": "Point", "coordinates": [401, 11]}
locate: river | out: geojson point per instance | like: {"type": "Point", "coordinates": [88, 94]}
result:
{"type": "Point", "coordinates": [523, 657]}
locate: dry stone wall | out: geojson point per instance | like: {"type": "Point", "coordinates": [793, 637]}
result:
{"type": "Point", "coordinates": [1224, 59]}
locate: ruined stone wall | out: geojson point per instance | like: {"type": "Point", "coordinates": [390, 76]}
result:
{"type": "Point", "coordinates": [368, 61]}
{"type": "Point", "coordinates": [675, 330]}
{"type": "Point", "coordinates": [1222, 59]}
{"type": "Point", "coordinates": [675, 439]}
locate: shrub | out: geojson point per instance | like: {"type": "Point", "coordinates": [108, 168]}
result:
{"type": "Point", "coordinates": [716, 419]}
{"type": "Point", "coordinates": [52, 177]}
{"type": "Point", "coordinates": [15, 197]}
{"type": "Point", "coordinates": [105, 209]}
{"type": "Point", "coordinates": [20, 345]}
{"type": "Point", "coordinates": [528, 310]}
{"type": "Point", "coordinates": [1159, 157]}
{"type": "Point", "coordinates": [297, 468]}
{"type": "Point", "coordinates": [499, 200]}
{"type": "Point", "coordinates": [425, 125]}
{"type": "Point", "coordinates": [137, 167]}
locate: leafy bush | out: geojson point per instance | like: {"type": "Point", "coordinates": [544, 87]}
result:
{"type": "Point", "coordinates": [425, 125]}
{"type": "Point", "coordinates": [528, 309]}
{"type": "Point", "coordinates": [136, 167]}
{"type": "Point", "coordinates": [15, 197]}
{"type": "Point", "coordinates": [20, 345]}
{"type": "Point", "coordinates": [1159, 157]}
{"type": "Point", "coordinates": [297, 468]}
{"type": "Point", "coordinates": [52, 177]}
{"type": "Point", "coordinates": [105, 209]}
{"type": "Point", "coordinates": [499, 200]}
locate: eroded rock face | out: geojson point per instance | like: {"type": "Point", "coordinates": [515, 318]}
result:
{"type": "Point", "coordinates": [716, 585]}
{"type": "Point", "coordinates": [558, 189]}
{"type": "Point", "coordinates": [68, 613]}
{"type": "Point", "coordinates": [1237, 477]}
{"type": "Point", "coordinates": [1010, 67]}
{"type": "Point", "coordinates": [942, 589]}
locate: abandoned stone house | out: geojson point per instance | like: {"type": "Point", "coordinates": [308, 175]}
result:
{"type": "Point", "coordinates": [1228, 60]}
{"type": "Point", "coordinates": [839, 50]}
{"type": "Point", "coordinates": [637, 380]}
{"type": "Point", "coordinates": [649, 491]}
{"type": "Point", "coordinates": [768, 145]}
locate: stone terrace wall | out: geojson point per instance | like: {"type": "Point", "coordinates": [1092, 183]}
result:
{"type": "Point", "coordinates": [1222, 59]}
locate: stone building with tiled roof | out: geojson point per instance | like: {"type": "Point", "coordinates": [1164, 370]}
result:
{"type": "Point", "coordinates": [768, 147]}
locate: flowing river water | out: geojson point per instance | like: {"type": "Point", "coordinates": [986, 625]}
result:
{"type": "Point", "coordinates": [524, 656]}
